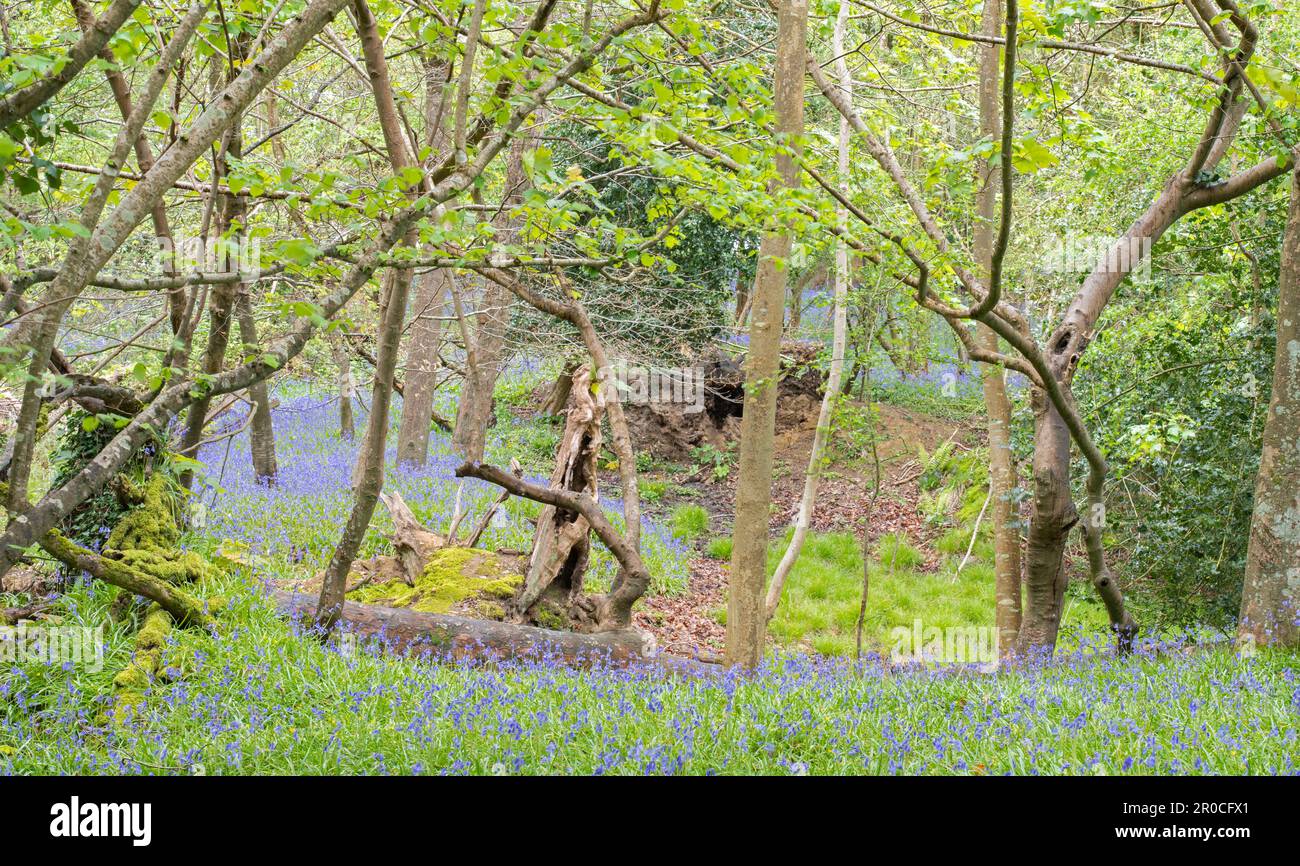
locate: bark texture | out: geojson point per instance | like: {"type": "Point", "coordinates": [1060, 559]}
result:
{"type": "Point", "coordinates": [486, 349]}
{"type": "Point", "coordinates": [370, 456]}
{"type": "Point", "coordinates": [746, 610]}
{"type": "Point", "coordinates": [562, 542]}
{"type": "Point", "coordinates": [430, 299]}
{"type": "Point", "coordinates": [221, 300]}
{"type": "Point", "coordinates": [261, 431]}
{"type": "Point", "coordinates": [1002, 469]}
{"type": "Point", "coordinates": [813, 474]}
{"type": "Point", "coordinates": [1270, 596]}
{"type": "Point", "coordinates": [413, 631]}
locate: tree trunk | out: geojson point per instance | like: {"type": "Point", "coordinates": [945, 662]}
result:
{"type": "Point", "coordinates": [430, 299]}
{"type": "Point", "coordinates": [558, 397]}
{"type": "Point", "coordinates": [562, 543]}
{"type": "Point", "coordinates": [812, 477]}
{"type": "Point", "coordinates": [1270, 595]}
{"type": "Point", "coordinates": [221, 299]}
{"type": "Point", "coordinates": [1054, 516]}
{"type": "Point", "coordinates": [370, 457]}
{"type": "Point", "coordinates": [421, 369]}
{"type": "Point", "coordinates": [347, 388]}
{"type": "Point", "coordinates": [486, 353]}
{"type": "Point", "coordinates": [261, 433]}
{"type": "Point", "coordinates": [1002, 469]}
{"type": "Point", "coordinates": [746, 619]}
{"type": "Point", "coordinates": [474, 409]}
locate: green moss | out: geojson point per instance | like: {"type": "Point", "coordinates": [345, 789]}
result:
{"type": "Point", "coordinates": [173, 566]}
{"type": "Point", "coordinates": [43, 420]}
{"type": "Point", "coordinates": [552, 618]}
{"type": "Point", "coordinates": [453, 575]}
{"type": "Point", "coordinates": [153, 633]}
{"type": "Point", "coordinates": [145, 539]}
{"type": "Point", "coordinates": [132, 678]}
{"type": "Point", "coordinates": [131, 683]}
{"type": "Point", "coordinates": [151, 525]}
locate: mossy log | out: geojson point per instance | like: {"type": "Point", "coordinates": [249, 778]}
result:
{"type": "Point", "coordinates": [183, 607]}
{"type": "Point", "coordinates": [461, 637]}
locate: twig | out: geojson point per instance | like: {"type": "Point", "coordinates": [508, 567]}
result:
{"type": "Point", "coordinates": [974, 532]}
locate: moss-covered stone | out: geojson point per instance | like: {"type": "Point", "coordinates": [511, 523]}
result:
{"type": "Point", "coordinates": [459, 578]}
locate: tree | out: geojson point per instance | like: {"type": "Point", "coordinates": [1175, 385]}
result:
{"type": "Point", "coordinates": [1051, 365]}
{"type": "Point", "coordinates": [746, 608]}
{"type": "Point", "coordinates": [1003, 476]}
{"type": "Point", "coordinates": [812, 477]}
{"type": "Point", "coordinates": [1270, 597]}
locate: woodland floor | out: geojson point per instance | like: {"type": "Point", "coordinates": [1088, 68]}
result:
{"type": "Point", "coordinates": [685, 624]}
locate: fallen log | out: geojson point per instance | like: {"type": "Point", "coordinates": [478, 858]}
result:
{"type": "Point", "coordinates": [11, 615]}
{"type": "Point", "coordinates": [404, 629]}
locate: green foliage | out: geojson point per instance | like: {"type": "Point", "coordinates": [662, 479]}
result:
{"type": "Point", "coordinates": [689, 522]}
{"type": "Point", "coordinates": [855, 430]}
{"type": "Point", "coordinates": [715, 461]}
{"type": "Point", "coordinates": [532, 440]}
{"type": "Point", "coordinates": [719, 548]}
{"type": "Point", "coordinates": [90, 523]}
{"type": "Point", "coordinates": [1177, 403]}
{"type": "Point", "coordinates": [652, 490]}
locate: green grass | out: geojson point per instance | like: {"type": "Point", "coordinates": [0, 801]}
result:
{"type": "Point", "coordinates": [956, 541]}
{"type": "Point", "coordinates": [894, 551]}
{"type": "Point", "coordinates": [822, 597]}
{"type": "Point", "coordinates": [719, 548]}
{"type": "Point", "coordinates": [689, 522]}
